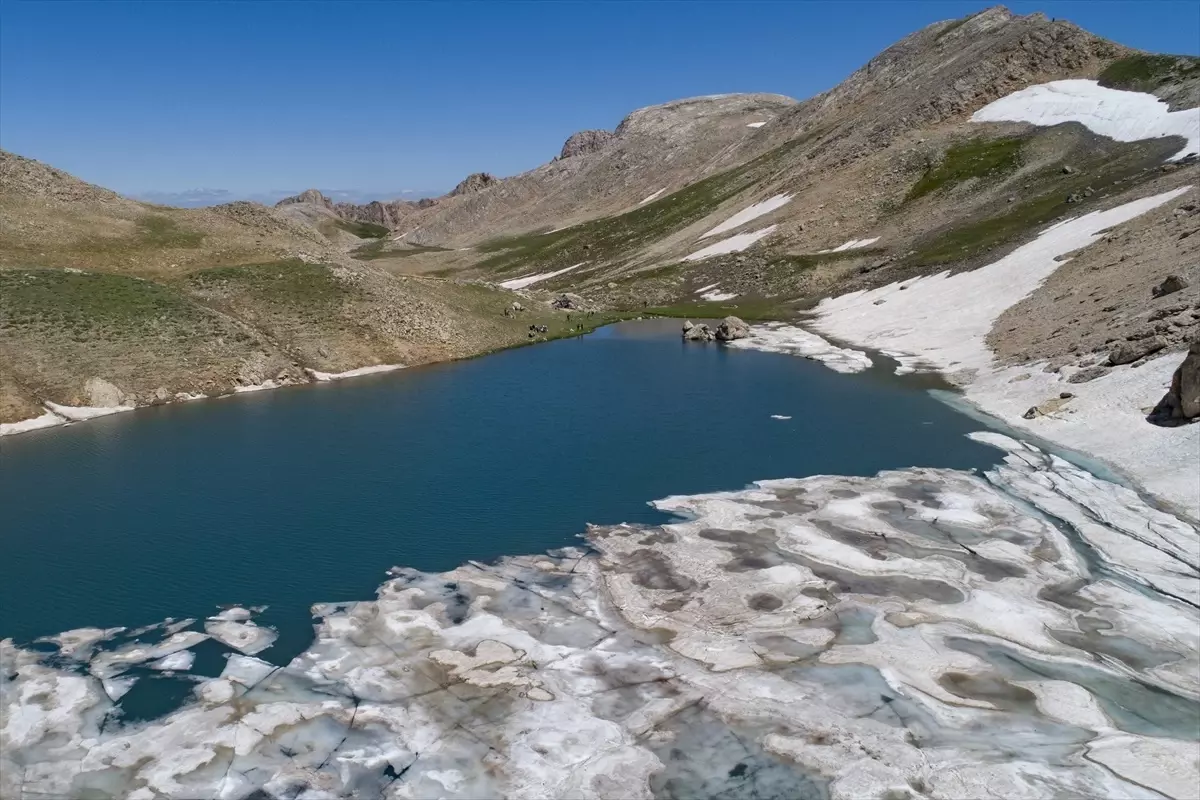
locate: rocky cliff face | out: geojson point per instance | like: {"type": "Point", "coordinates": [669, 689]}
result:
{"type": "Point", "coordinates": [475, 182]}
{"type": "Point", "coordinates": [309, 196]}
{"type": "Point", "coordinates": [585, 142]}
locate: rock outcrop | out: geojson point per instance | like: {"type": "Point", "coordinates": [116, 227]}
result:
{"type": "Point", "coordinates": [732, 328]}
{"type": "Point", "coordinates": [312, 196]}
{"type": "Point", "coordinates": [475, 182]}
{"type": "Point", "coordinates": [585, 142]}
{"type": "Point", "coordinates": [1181, 403]}
{"type": "Point", "coordinates": [697, 333]}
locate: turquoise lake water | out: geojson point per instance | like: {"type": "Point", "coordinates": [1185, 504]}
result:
{"type": "Point", "coordinates": [309, 494]}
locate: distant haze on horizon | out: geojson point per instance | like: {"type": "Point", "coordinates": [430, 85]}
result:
{"type": "Point", "coordinates": [360, 94]}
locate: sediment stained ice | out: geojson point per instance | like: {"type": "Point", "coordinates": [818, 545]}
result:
{"type": "Point", "coordinates": [775, 337]}
{"type": "Point", "coordinates": [1025, 632]}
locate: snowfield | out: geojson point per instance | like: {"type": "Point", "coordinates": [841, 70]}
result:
{"type": "Point", "coordinates": [1120, 115]}
{"type": "Point", "coordinates": [530, 280]}
{"type": "Point", "coordinates": [734, 244]}
{"type": "Point", "coordinates": [753, 212]}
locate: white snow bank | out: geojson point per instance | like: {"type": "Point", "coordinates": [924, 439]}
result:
{"type": "Point", "coordinates": [256, 387]}
{"type": "Point", "coordinates": [80, 413]}
{"type": "Point", "coordinates": [943, 320]}
{"type": "Point", "coordinates": [718, 297]}
{"type": "Point", "coordinates": [853, 244]}
{"type": "Point", "coordinates": [755, 124]}
{"type": "Point", "coordinates": [1124, 116]}
{"type": "Point", "coordinates": [352, 373]}
{"type": "Point", "coordinates": [529, 280]}
{"type": "Point", "coordinates": [651, 197]}
{"type": "Point", "coordinates": [776, 337]}
{"type": "Point", "coordinates": [753, 212]}
{"type": "Point", "coordinates": [47, 420]}
{"type": "Point", "coordinates": [708, 288]}
{"type": "Point", "coordinates": [734, 244]}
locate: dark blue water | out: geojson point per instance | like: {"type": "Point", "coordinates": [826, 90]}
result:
{"type": "Point", "coordinates": [302, 495]}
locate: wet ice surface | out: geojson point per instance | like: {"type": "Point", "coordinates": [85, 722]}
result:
{"type": "Point", "coordinates": [1029, 632]}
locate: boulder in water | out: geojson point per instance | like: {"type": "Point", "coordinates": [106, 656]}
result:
{"type": "Point", "coordinates": [732, 328]}
{"type": "Point", "coordinates": [699, 333]}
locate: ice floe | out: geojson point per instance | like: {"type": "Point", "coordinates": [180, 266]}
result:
{"type": "Point", "coordinates": [734, 244]}
{"type": "Point", "coordinates": [776, 337]}
{"type": "Point", "coordinates": [243, 636]}
{"type": "Point", "coordinates": [779, 416]}
{"type": "Point", "coordinates": [530, 280]}
{"type": "Point", "coordinates": [1001, 634]}
{"type": "Point", "coordinates": [352, 373]}
{"type": "Point", "coordinates": [1115, 113]}
{"type": "Point", "coordinates": [750, 213]}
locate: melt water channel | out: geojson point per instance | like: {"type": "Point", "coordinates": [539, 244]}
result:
{"type": "Point", "coordinates": [309, 494]}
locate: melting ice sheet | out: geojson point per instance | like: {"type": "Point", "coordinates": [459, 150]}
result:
{"type": "Point", "coordinates": [1028, 632]}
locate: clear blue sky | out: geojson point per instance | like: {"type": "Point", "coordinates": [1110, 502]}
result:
{"type": "Point", "coordinates": [252, 96]}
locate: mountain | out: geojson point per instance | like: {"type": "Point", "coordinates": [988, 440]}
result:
{"type": "Point", "coordinates": [924, 160]}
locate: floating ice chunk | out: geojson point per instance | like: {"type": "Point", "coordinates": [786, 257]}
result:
{"type": "Point", "coordinates": [80, 413]}
{"type": "Point", "coordinates": [751, 213]}
{"type": "Point", "coordinates": [244, 636]}
{"type": "Point", "coordinates": [352, 373]}
{"type": "Point", "coordinates": [530, 280]}
{"type": "Point", "coordinates": [734, 244]}
{"type": "Point", "coordinates": [79, 643]}
{"type": "Point", "coordinates": [177, 662]}
{"type": "Point", "coordinates": [233, 614]}
{"type": "Point", "coordinates": [116, 688]}
{"type": "Point", "coordinates": [790, 340]}
{"type": "Point", "coordinates": [1115, 113]}
{"type": "Point", "coordinates": [779, 416]}
{"type": "Point", "coordinates": [110, 663]}
{"type": "Point", "coordinates": [246, 670]}
{"type": "Point", "coordinates": [649, 198]}
{"type": "Point", "coordinates": [47, 420]}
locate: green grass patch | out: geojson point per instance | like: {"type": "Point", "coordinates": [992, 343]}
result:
{"type": "Point", "coordinates": [72, 301]}
{"type": "Point", "coordinates": [363, 230]}
{"type": "Point", "coordinates": [157, 230]}
{"type": "Point", "coordinates": [608, 240]}
{"type": "Point", "coordinates": [978, 158]}
{"type": "Point", "coordinates": [311, 289]}
{"type": "Point", "coordinates": [1146, 72]}
{"type": "Point", "coordinates": [378, 249]}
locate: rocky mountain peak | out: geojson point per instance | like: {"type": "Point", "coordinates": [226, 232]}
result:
{"type": "Point", "coordinates": [312, 196]}
{"type": "Point", "coordinates": [678, 117]}
{"type": "Point", "coordinates": [475, 182]}
{"type": "Point", "coordinates": [585, 142]}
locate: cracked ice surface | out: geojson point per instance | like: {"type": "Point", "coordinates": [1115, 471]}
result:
{"type": "Point", "coordinates": [1028, 632]}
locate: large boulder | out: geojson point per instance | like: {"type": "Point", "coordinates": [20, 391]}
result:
{"type": "Point", "coordinates": [1170, 285]}
{"type": "Point", "coordinates": [103, 394]}
{"type": "Point", "coordinates": [1128, 352]}
{"type": "Point", "coordinates": [571, 302]}
{"type": "Point", "coordinates": [698, 333]}
{"type": "Point", "coordinates": [1181, 403]}
{"type": "Point", "coordinates": [732, 328]}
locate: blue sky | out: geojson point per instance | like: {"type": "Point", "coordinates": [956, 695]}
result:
{"type": "Point", "coordinates": [254, 96]}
